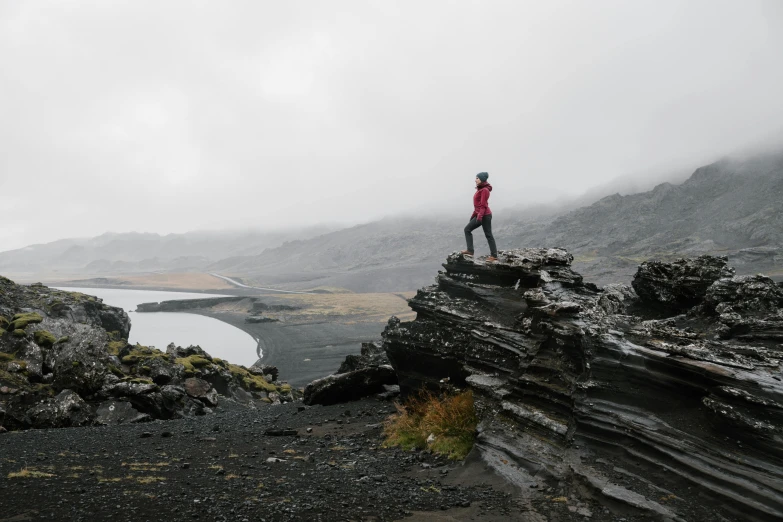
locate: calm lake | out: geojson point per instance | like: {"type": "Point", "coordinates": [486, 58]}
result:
{"type": "Point", "coordinates": [159, 329]}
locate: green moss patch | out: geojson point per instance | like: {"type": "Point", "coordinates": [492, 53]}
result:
{"type": "Point", "coordinates": [192, 363]}
{"type": "Point", "coordinates": [2, 332]}
{"type": "Point", "coordinates": [114, 347]}
{"type": "Point", "coordinates": [138, 353]}
{"type": "Point", "coordinates": [44, 339]}
{"type": "Point", "coordinates": [6, 357]}
{"type": "Point", "coordinates": [20, 321]}
{"type": "Point", "coordinates": [4, 322]}
{"type": "Point", "coordinates": [19, 333]}
{"type": "Point", "coordinates": [250, 381]}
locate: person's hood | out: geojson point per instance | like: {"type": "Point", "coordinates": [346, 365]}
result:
{"type": "Point", "coordinates": [485, 185]}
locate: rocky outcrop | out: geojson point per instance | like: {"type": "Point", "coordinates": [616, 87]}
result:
{"type": "Point", "coordinates": [679, 285]}
{"type": "Point", "coordinates": [65, 361]}
{"type": "Point", "coordinates": [368, 373]}
{"type": "Point", "coordinates": [371, 354]}
{"type": "Point", "coordinates": [350, 386]}
{"type": "Point", "coordinates": [678, 417]}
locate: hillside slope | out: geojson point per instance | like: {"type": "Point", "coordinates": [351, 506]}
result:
{"type": "Point", "coordinates": [731, 207]}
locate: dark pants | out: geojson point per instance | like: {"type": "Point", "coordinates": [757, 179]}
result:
{"type": "Point", "coordinates": [486, 224]}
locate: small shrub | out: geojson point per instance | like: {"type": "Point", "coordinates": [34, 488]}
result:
{"type": "Point", "coordinates": [451, 420]}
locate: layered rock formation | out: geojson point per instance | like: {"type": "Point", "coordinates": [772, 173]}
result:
{"type": "Point", "coordinates": [667, 400]}
{"type": "Point", "coordinates": [359, 376]}
{"type": "Point", "coordinates": [65, 361]}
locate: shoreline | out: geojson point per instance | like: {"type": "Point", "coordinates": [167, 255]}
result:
{"type": "Point", "coordinates": [302, 352]}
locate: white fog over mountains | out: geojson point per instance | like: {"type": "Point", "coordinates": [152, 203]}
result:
{"type": "Point", "coordinates": [176, 117]}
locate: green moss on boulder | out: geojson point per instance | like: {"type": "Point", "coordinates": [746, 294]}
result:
{"type": "Point", "coordinates": [250, 381]}
{"type": "Point", "coordinates": [44, 339]}
{"type": "Point", "coordinates": [192, 363]}
{"type": "Point", "coordinates": [20, 321]}
{"type": "Point", "coordinates": [6, 357]}
{"type": "Point", "coordinates": [19, 333]}
{"type": "Point", "coordinates": [138, 353]}
{"type": "Point", "coordinates": [4, 322]}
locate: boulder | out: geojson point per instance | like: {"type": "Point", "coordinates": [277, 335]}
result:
{"type": "Point", "coordinates": [675, 287]}
{"type": "Point", "coordinates": [197, 388]}
{"type": "Point", "coordinates": [65, 410]}
{"type": "Point", "coordinates": [119, 412]}
{"type": "Point", "coordinates": [372, 354]}
{"type": "Point", "coordinates": [264, 370]}
{"type": "Point", "coordinates": [350, 386]}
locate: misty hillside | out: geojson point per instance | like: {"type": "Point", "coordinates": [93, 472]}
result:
{"type": "Point", "coordinates": [731, 207]}
{"type": "Point", "coordinates": [137, 252]}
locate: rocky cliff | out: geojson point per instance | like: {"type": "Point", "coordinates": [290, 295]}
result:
{"type": "Point", "coordinates": [664, 399]}
{"type": "Point", "coordinates": [65, 361]}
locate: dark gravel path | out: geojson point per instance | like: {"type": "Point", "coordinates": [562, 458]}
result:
{"type": "Point", "coordinates": [224, 467]}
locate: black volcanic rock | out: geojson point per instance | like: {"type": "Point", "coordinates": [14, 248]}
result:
{"type": "Point", "coordinates": [371, 354]}
{"type": "Point", "coordinates": [576, 392]}
{"type": "Point", "coordinates": [65, 361]}
{"type": "Point", "coordinates": [679, 285]}
{"type": "Point", "coordinates": [350, 386]}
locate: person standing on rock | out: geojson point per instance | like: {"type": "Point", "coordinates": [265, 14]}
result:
{"type": "Point", "coordinates": [481, 217]}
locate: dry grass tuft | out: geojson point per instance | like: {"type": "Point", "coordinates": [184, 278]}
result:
{"type": "Point", "coordinates": [29, 473]}
{"type": "Point", "coordinates": [451, 420]}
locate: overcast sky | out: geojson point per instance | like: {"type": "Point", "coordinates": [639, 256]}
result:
{"type": "Point", "coordinates": [174, 116]}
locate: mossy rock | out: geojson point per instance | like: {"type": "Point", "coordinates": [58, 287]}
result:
{"type": "Point", "coordinates": [44, 339]}
{"type": "Point", "coordinates": [137, 353]}
{"type": "Point", "coordinates": [4, 322]}
{"type": "Point", "coordinates": [2, 332]}
{"type": "Point", "coordinates": [192, 363]}
{"type": "Point", "coordinates": [6, 357]}
{"type": "Point", "coordinates": [250, 381]}
{"type": "Point", "coordinates": [63, 340]}
{"type": "Point", "coordinates": [116, 371]}
{"type": "Point", "coordinates": [20, 321]}
{"type": "Point", "coordinates": [114, 347]}
{"type": "Point", "coordinates": [19, 333]}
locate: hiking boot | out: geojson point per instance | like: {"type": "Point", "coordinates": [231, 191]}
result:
{"type": "Point", "coordinates": [466, 253]}
{"type": "Point", "coordinates": [491, 259]}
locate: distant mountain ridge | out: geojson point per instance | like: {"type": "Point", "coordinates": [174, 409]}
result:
{"type": "Point", "coordinates": [731, 207]}
{"type": "Point", "coordinates": [139, 252]}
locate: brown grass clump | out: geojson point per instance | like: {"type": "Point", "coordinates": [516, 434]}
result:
{"type": "Point", "coordinates": [29, 473]}
{"type": "Point", "coordinates": [451, 420]}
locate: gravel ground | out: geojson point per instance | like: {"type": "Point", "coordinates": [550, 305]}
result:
{"type": "Point", "coordinates": [225, 467]}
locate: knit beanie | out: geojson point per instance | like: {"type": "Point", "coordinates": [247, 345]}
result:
{"type": "Point", "coordinates": [483, 176]}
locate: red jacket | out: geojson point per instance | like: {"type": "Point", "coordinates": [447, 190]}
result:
{"type": "Point", "coordinates": [480, 199]}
